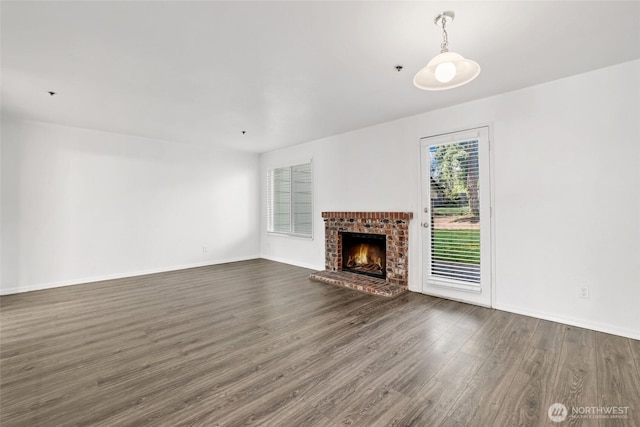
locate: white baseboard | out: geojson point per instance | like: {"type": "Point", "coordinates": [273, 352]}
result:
{"type": "Point", "coordinates": [296, 263]}
{"type": "Point", "coordinates": [609, 329]}
{"type": "Point", "coordinates": [40, 286]}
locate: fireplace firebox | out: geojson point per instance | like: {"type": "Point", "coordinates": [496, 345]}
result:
{"type": "Point", "coordinates": [364, 253]}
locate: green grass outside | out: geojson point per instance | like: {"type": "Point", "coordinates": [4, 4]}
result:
{"type": "Point", "coordinates": [445, 241]}
{"type": "Point", "coordinates": [462, 210]}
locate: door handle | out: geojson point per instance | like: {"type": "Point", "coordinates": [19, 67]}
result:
{"type": "Point", "coordinates": [425, 224]}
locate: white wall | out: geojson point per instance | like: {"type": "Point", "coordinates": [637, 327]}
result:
{"type": "Point", "coordinates": [566, 184]}
{"type": "Point", "coordinates": [81, 205]}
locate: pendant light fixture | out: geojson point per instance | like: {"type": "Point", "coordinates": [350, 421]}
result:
{"type": "Point", "coordinates": [448, 69]}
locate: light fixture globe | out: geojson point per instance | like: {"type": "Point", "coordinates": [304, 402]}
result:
{"type": "Point", "coordinates": [446, 71]}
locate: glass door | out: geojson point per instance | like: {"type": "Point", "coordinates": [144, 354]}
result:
{"type": "Point", "coordinates": [456, 235]}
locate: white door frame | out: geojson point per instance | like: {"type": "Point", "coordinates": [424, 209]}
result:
{"type": "Point", "coordinates": [453, 294]}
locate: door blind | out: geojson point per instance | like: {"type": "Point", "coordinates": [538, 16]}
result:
{"type": "Point", "coordinates": [455, 211]}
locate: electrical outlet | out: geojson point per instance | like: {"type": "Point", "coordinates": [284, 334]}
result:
{"type": "Point", "coordinates": [204, 249]}
{"type": "Point", "coordinates": [584, 292]}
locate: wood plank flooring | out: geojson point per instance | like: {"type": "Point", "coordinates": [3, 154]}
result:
{"type": "Point", "coordinates": [258, 343]}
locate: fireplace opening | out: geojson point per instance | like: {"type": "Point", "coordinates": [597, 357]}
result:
{"type": "Point", "coordinates": [364, 254]}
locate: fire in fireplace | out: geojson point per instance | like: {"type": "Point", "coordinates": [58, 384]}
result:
{"type": "Point", "coordinates": [364, 254]}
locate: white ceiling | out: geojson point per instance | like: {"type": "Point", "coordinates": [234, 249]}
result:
{"type": "Point", "coordinates": [285, 72]}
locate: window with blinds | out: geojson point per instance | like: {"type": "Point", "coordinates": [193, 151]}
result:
{"type": "Point", "coordinates": [290, 200]}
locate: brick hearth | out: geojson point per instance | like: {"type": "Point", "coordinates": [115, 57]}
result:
{"type": "Point", "coordinates": [395, 225]}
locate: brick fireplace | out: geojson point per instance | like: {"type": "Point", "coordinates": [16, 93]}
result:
{"type": "Point", "coordinates": [340, 269]}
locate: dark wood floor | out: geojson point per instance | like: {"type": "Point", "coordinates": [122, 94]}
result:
{"type": "Point", "coordinates": [258, 343]}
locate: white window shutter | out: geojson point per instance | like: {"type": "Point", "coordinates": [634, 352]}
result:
{"type": "Point", "coordinates": [290, 200]}
{"type": "Point", "coordinates": [302, 199]}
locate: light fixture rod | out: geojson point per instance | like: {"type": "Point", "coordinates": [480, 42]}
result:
{"type": "Point", "coordinates": [442, 20]}
{"type": "Point", "coordinates": [444, 46]}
